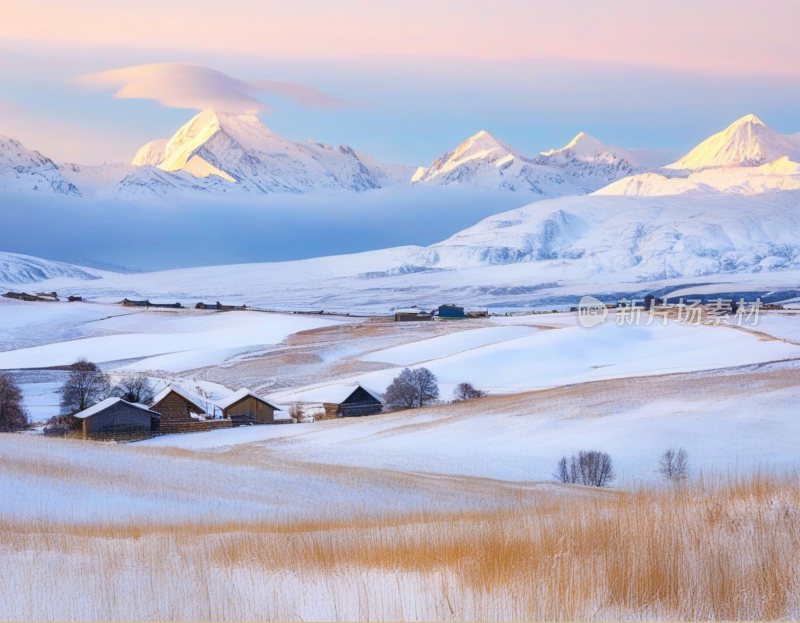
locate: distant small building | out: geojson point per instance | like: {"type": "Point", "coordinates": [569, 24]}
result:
{"type": "Point", "coordinates": [245, 407]}
{"type": "Point", "coordinates": [451, 312]}
{"type": "Point", "coordinates": [129, 303]}
{"type": "Point", "coordinates": [115, 419]}
{"type": "Point", "coordinates": [412, 314]}
{"type": "Point", "coordinates": [73, 299]}
{"type": "Point", "coordinates": [24, 296]}
{"type": "Point", "coordinates": [478, 313]}
{"type": "Point", "coordinates": [182, 414]}
{"type": "Point", "coordinates": [220, 307]}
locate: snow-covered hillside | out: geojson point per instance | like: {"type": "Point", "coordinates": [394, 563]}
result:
{"type": "Point", "coordinates": [16, 270]}
{"type": "Point", "coordinates": [249, 157]}
{"type": "Point", "coordinates": [549, 252]}
{"type": "Point", "coordinates": [746, 142]}
{"type": "Point", "coordinates": [22, 169]}
{"type": "Point", "coordinates": [583, 165]}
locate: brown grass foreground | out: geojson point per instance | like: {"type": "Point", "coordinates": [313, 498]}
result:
{"type": "Point", "coordinates": [717, 548]}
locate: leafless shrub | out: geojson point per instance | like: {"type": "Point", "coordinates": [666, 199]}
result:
{"type": "Point", "coordinates": [13, 416]}
{"type": "Point", "coordinates": [298, 412]}
{"type": "Point", "coordinates": [135, 388]}
{"type": "Point", "coordinates": [592, 469]}
{"type": "Point", "coordinates": [86, 385]}
{"type": "Point", "coordinates": [412, 389]}
{"type": "Point", "coordinates": [674, 464]}
{"type": "Point", "coordinates": [466, 391]}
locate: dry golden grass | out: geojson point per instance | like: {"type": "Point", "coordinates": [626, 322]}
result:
{"type": "Point", "coordinates": [722, 548]}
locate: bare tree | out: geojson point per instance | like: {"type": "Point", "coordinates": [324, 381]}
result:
{"type": "Point", "coordinates": [412, 389]}
{"type": "Point", "coordinates": [297, 411]}
{"type": "Point", "coordinates": [135, 388]}
{"type": "Point", "coordinates": [592, 469]}
{"type": "Point", "coordinates": [466, 391]}
{"type": "Point", "coordinates": [674, 464]}
{"type": "Point", "coordinates": [86, 385]}
{"type": "Point", "coordinates": [13, 416]}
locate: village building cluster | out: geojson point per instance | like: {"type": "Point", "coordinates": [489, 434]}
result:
{"type": "Point", "coordinates": [173, 411]}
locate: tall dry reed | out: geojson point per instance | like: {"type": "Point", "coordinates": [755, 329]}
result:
{"type": "Point", "coordinates": [723, 547]}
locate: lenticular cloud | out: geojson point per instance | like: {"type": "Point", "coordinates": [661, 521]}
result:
{"type": "Point", "coordinates": [183, 85]}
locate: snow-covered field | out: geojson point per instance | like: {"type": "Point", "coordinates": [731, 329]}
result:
{"type": "Point", "coordinates": [164, 340]}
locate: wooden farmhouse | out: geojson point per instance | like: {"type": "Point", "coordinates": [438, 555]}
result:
{"type": "Point", "coordinates": [342, 400]}
{"type": "Point", "coordinates": [181, 414]}
{"type": "Point", "coordinates": [118, 420]}
{"type": "Point", "coordinates": [245, 407]}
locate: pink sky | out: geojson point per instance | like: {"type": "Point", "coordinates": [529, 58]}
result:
{"type": "Point", "coordinates": [707, 35]}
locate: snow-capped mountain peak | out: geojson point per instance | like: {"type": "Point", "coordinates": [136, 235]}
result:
{"type": "Point", "coordinates": [478, 151]}
{"type": "Point", "coordinates": [24, 169]}
{"type": "Point", "coordinates": [746, 142]}
{"type": "Point", "coordinates": [249, 157]}
{"type": "Point", "coordinates": [151, 153]}
{"type": "Point", "coordinates": [482, 145]}
{"type": "Point", "coordinates": [586, 147]}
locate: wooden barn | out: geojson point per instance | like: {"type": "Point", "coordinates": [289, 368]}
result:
{"type": "Point", "coordinates": [181, 414]}
{"type": "Point", "coordinates": [342, 400]}
{"type": "Point", "coordinates": [118, 420]}
{"type": "Point", "coordinates": [173, 404]}
{"type": "Point", "coordinates": [245, 407]}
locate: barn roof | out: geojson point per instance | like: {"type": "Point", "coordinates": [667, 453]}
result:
{"type": "Point", "coordinates": [170, 389]}
{"type": "Point", "coordinates": [109, 402]}
{"type": "Point", "coordinates": [336, 393]}
{"type": "Point", "coordinates": [241, 395]}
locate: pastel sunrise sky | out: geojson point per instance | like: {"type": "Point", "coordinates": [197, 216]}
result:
{"type": "Point", "coordinates": [91, 80]}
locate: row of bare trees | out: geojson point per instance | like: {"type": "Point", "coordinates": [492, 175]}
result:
{"type": "Point", "coordinates": [595, 469]}
{"type": "Point", "coordinates": [416, 388]}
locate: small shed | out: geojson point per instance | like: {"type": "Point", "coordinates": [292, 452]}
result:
{"type": "Point", "coordinates": [412, 315]}
{"type": "Point", "coordinates": [450, 312]}
{"type": "Point", "coordinates": [118, 420]}
{"type": "Point", "coordinates": [247, 407]}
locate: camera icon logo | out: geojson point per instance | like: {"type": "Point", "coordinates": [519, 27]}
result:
{"type": "Point", "coordinates": [591, 312]}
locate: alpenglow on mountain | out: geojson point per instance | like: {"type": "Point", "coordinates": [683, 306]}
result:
{"type": "Point", "coordinates": [583, 165]}
{"type": "Point", "coordinates": [747, 158]}
{"type": "Point", "coordinates": [237, 153]}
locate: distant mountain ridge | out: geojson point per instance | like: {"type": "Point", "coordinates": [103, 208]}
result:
{"type": "Point", "coordinates": [583, 165]}
{"type": "Point", "coordinates": [218, 153]}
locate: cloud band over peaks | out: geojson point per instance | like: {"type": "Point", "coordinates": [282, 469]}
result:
{"type": "Point", "coordinates": [184, 85]}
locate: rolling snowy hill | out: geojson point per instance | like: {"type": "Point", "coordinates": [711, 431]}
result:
{"type": "Point", "coordinates": [17, 270]}
{"type": "Point", "coordinates": [22, 169]}
{"type": "Point", "coordinates": [583, 165]}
